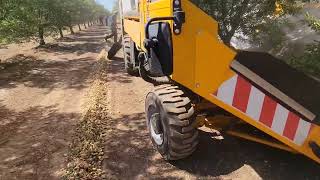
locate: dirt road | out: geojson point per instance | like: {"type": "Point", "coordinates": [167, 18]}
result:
{"type": "Point", "coordinates": [129, 153]}
{"type": "Point", "coordinates": [42, 92]}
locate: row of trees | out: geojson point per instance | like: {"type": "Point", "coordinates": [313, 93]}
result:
{"type": "Point", "coordinates": [310, 60]}
{"type": "Point", "coordinates": [246, 17]}
{"type": "Point", "coordinates": [261, 24]}
{"type": "Point", "coordinates": [27, 19]}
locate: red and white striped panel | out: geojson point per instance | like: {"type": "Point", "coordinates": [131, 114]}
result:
{"type": "Point", "coordinates": [242, 95]}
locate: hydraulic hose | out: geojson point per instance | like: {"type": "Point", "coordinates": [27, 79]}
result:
{"type": "Point", "coordinates": [148, 78]}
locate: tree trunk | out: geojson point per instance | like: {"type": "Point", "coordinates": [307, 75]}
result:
{"type": "Point", "coordinates": [41, 36]}
{"type": "Point", "coordinates": [60, 32]}
{"type": "Point", "coordinates": [88, 24]}
{"type": "Point", "coordinates": [71, 29]}
{"type": "Point", "coordinates": [79, 26]}
{"type": "Point", "coordinates": [85, 26]}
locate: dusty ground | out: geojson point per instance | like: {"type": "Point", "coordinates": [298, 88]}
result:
{"type": "Point", "coordinates": [129, 153]}
{"type": "Point", "coordinates": [42, 95]}
{"type": "Point", "coordinates": [42, 91]}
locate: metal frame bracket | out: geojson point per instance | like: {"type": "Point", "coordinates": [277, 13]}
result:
{"type": "Point", "coordinates": [179, 17]}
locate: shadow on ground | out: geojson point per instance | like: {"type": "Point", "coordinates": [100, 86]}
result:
{"type": "Point", "coordinates": [86, 41]}
{"type": "Point", "coordinates": [78, 49]}
{"type": "Point", "coordinates": [33, 72]}
{"type": "Point", "coordinates": [32, 140]}
{"type": "Point", "coordinates": [58, 67]}
{"type": "Point", "coordinates": [130, 154]}
{"type": "Point", "coordinates": [2, 46]}
{"type": "Point", "coordinates": [37, 123]}
{"type": "Point", "coordinates": [219, 158]}
{"type": "Point", "coordinates": [117, 74]}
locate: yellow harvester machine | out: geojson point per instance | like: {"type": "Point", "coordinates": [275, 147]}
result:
{"type": "Point", "coordinates": [199, 81]}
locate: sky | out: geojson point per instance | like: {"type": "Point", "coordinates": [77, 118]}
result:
{"type": "Point", "coordinates": [108, 4]}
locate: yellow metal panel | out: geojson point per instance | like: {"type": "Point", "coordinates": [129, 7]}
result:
{"type": "Point", "coordinates": [199, 58]}
{"type": "Point", "coordinates": [162, 12]}
{"type": "Point", "coordinates": [212, 62]}
{"type": "Point", "coordinates": [201, 63]}
{"type": "Point", "coordinates": [160, 4]}
{"type": "Point", "coordinates": [143, 20]}
{"type": "Point", "coordinates": [133, 29]}
{"type": "Point", "coordinates": [314, 136]}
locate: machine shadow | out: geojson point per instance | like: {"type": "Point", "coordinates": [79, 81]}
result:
{"type": "Point", "coordinates": [130, 153]}
{"type": "Point", "coordinates": [216, 158]}
{"type": "Point", "coordinates": [116, 71]}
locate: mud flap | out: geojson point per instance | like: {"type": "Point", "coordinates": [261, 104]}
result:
{"type": "Point", "coordinates": [115, 48]}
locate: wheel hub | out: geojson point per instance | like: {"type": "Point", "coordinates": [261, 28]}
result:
{"type": "Point", "coordinates": [155, 128]}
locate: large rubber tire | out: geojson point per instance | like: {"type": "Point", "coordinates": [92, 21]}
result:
{"type": "Point", "coordinates": [129, 56]}
{"type": "Point", "coordinates": [177, 126]}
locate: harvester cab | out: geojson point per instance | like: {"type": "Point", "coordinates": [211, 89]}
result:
{"type": "Point", "coordinates": [175, 46]}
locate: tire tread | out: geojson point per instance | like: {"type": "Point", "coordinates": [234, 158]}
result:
{"type": "Point", "coordinates": [183, 135]}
